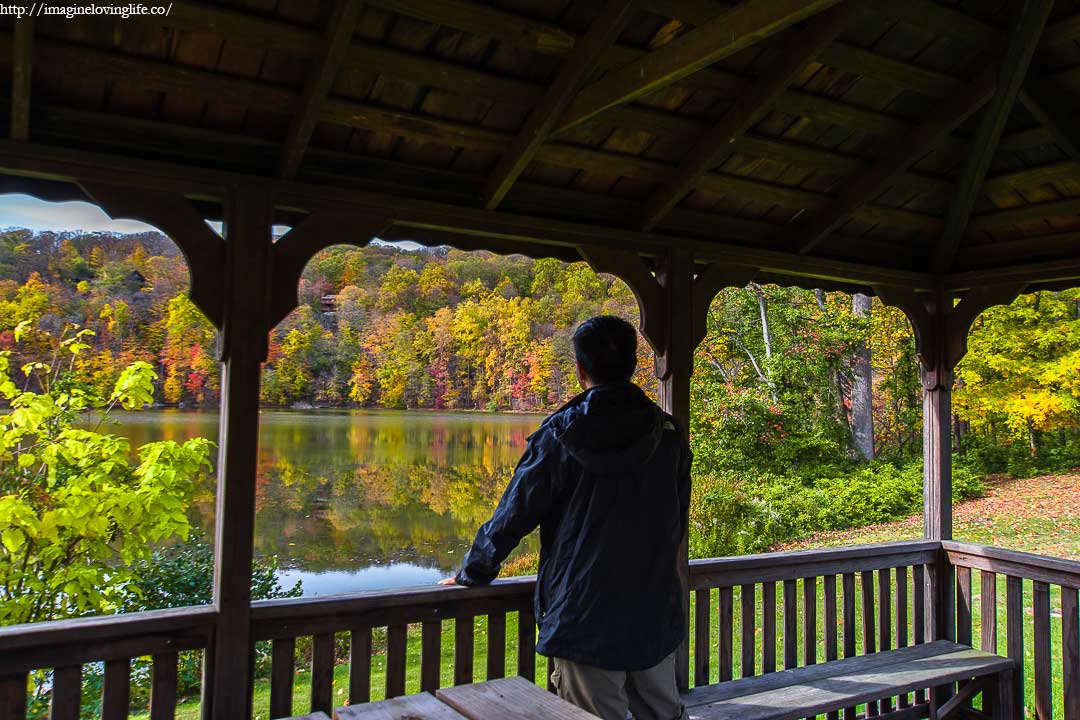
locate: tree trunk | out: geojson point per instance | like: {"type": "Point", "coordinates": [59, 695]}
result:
{"type": "Point", "coordinates": [862, 387]}
{"type": "Point", "coordinates": [763, 309]}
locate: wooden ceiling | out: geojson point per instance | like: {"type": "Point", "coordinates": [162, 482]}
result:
{"type": "Point", "coordinates": [852, 141]}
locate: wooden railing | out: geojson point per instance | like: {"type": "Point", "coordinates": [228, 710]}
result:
{"type": "Point", "coordinates": [65, 646]}
{"type": "Point", "coordinates": [806, 607]}
{"type": "Point", "coordinates": [750, 615]}
{"type": "Point", "coordinates": [397, 616]}
{"type": "Point", "coordinates": [1041, 613]}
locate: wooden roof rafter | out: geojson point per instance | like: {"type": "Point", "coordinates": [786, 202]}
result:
{"type": "Point", "coordinates": [22, 58]}
{"type": "Point", "coordinates": [717, 143]}
{"type": "Point", "coordinates": [337, 36]}
{"type": "Point", "coordinates": [1031, 19]}
{"type": "Point", "coordinates": [542, 118]}
{"type": "Point", "coordinates": [744, 25]}
{"type": "Point", "coordinates": [865, 186]}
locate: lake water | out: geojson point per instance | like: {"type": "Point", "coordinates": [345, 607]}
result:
{"type": "Point", "coordinates": [363, 500]}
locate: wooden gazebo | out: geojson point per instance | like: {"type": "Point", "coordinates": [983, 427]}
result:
{"type": "Point", "coordinates": [925, 151]}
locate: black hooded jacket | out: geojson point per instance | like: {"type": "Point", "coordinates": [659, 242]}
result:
{"type": "Point", "coordinates": [607, 479]}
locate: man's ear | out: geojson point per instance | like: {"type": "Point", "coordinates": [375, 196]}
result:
{"type": "Point", "coordinates": [583, 379]}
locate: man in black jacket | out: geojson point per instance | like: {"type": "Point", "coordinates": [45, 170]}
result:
{"type": "Point", "coordinates": [607, 480]}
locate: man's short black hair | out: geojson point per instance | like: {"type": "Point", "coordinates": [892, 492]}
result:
{"type": "Point", "coordinates": [606, 348]}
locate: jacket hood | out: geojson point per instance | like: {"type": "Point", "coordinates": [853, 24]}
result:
{"type": "Point", "coordinates": [610, 428]}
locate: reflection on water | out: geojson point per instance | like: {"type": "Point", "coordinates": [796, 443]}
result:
{"type": "Point", "coordinates": [363, 500]}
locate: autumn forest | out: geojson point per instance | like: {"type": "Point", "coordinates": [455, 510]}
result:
{"type": "Point", "coordinates": [786, 378]}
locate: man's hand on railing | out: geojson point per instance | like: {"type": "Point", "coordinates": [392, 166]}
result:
{"type": "Point", "coordinates": [449, 581]}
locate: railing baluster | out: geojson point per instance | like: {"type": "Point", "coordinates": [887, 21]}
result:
{"type": "Point", "coordinates": [463, 650]}
{"type": "Point", "coordinates": [163, 687]}
{"type": "Point", "coordinates": [749, 625]}
{"type": "Point", "coordinates": [360, 665]}
{"type": "Point", "coordinates": [724, 621]}
{"type": "Point", "coordinates": [988, 603]}
{"type": "Point", "coordinates": [430, 655]}
{"type": "Point", "coordinates": [282, 659]}
{"type": "Point", "coordinates": [884, 580]}
{"type": "Point", "coordinates": [830, 626]}
{"type": "Point", "coordinates": [810, 623]}
{"type": "Point", "coordinates": [116, 693]}
{"type": "Point", "coordinates": [810, 634]}
{"type": "Point", "coordinates": [527, 643]}
{"type": "Point", "coordinates": [702, 614]}
{"type": "Point", "coordinates": [397, 645]}
{"type": "Point", "coordinates": [848, 582]}
{"type": "Point", "coordinates": [13, 697]}
{"type": "Point", "coordinates": [1014, 639]}
{"type": "Point", "coordinates": [496, 646]}
{"type": "Point", "coordinates": [791, 624]}
{"type": "Point", "coordinates": [1043, 686]}
{"type": "Point", "coordinates": [902, 621]}
{"type": "Point", "coordinates": [918, 600]}
{"type": "Point", "coordinates": [66, 693]}
{"type": "Point", "coordinates": [868, 626]}
{"type": "Point", "coordinates": [963, 605]}
{"type": "Point", "coordinates": [1070, 651]}
{"type": "Point", "coordinates": [322, 673]}
{"type": "Point", "coordinates": [768, 627]}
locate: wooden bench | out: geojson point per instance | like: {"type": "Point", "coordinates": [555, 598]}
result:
{"type": "Point", "coordinates": [839, 684]}
{"type": "Point", "coordinates": [512, 698]}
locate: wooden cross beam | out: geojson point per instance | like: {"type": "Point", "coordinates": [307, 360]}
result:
{"type": "Point", "coordinates": [866, 185]}
{"type": "Point", "coordinates": [538, 126]}
{"type": "Point", "coordinates": [339, 31]}
{"type": "Point", "coordinates": [718, 143]}
{"type": "Point", "coordinates": [744, 25]}
{"type": "Point", "coordinates": [1030, 20]}
{"type": "Point", "coordinates": [22, 55]}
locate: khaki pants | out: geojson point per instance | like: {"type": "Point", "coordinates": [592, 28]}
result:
{"type": "Point", "coordinates": [647, 694]}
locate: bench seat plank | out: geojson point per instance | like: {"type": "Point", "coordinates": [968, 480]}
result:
{"type": "Point", "coordinates": [512, 698]}
{"type": "Point", "coordinates": [808, 691]}
{"type": "Point", "coordinates": [413, 707]}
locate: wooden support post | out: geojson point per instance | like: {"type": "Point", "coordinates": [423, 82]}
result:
{"type": "Point", "coordinates": [940, 329]}
{"type": "Point", "coordinates": [227, 687]}
{"type": "Point", "coordinates": [673, 307]}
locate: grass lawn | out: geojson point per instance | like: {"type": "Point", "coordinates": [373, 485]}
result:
{"type": "Point", "coordinates": [1040, 515]}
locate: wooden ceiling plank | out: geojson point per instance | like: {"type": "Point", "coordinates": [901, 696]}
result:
{"type": "Point", "coordinates": [859, 61]}
{"type": "Point", "coordinates": [1056, 110]}
{"type": "Point", "coordinates": [22, 55]}
{"type": "Point", "coordinates": [717, 143]}
{"type": "Point", "coordinates": [744, 25]}
{"type": "Point", "coordinates": [338, 33]}
{"type": "Point", "coordinates": [1033, 176]}
{"type": "Point", "coordinates": [1067, 208]}
{"type": "Point", "coordinates": [1031, 17]}
{"type": "Point", "coordinates": [840, 55]}
{"type": "Point", "coordinates": [475, 19]}
{"type": "Point", "coordinates": [541, 120]}
{"type": "Point", "coordinates": [862, 188]}
{"type": "Point", "coordinates": [941, 20]}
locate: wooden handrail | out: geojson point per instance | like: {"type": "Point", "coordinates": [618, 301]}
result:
{"type": "Point", "coordinates": [765, 567]}
{"type": "Point", "coordinates": [101, 627]}
{"type": "Point", "coordinates": [1056, 571]}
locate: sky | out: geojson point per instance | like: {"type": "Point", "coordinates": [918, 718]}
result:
{"type": "Point", "coordinates": [24, 211]}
